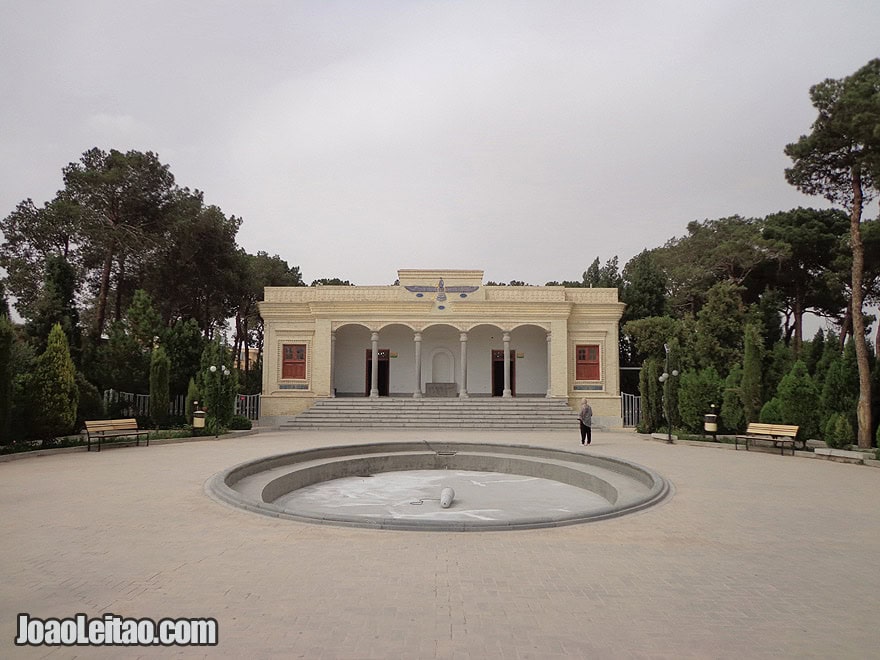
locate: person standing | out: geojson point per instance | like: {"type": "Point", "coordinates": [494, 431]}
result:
{"type": "Point", "coordinates": [585, 417]}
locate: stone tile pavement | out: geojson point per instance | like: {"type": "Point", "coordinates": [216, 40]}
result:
{"type": "Point", "coordinates": [753, 556]}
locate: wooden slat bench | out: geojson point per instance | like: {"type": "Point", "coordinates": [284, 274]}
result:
{"type": "Point", "coordinates": [103, 429]}
{"type": "Point", "coordinates": [779, 434]}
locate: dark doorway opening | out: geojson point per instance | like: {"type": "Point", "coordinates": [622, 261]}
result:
{"type": "Point", "coordinates": [498, 373]}
{"type": "Point", "coordinates": [384, 375]}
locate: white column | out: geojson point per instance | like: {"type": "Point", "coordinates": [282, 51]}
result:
{"type": "Point", "coordinates": [506, 393]}
{"type": "Point", "coordinates": [374, 376]}
{"type": "Point", "coordinates": [332, 364]}
{"type": "Point", "coordinates": [549, 370]}
{"type": "Point", "coordinates": [417, 338]}
{"type": "Point", "coordinates": [463, 393]}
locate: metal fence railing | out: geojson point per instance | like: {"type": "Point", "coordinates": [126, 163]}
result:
{"type": "Point", "coordinates": [129, 404]}
{"type": "Point", "coordinates": [248, 405]}
{"type": "Point", "coordinates": [631, 409]}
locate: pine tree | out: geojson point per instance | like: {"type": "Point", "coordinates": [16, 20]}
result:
{"type": "Point", "coordinates": [54, 388]}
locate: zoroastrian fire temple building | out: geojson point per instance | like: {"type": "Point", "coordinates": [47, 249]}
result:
{"type": "Point", "coordinates": [440, 333]}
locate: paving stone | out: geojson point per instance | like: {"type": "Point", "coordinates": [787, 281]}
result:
{"type": "Point", "coordinates": [754, 555]}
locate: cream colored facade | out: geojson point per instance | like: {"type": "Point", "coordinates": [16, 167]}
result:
{"type": "Point", "coordinates": [440, 333]}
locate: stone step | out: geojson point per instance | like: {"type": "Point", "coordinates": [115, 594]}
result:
{"type": "Point", "coordinates": [500, 414]}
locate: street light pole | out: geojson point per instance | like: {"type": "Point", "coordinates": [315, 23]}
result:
{"type": "Point", "coordinates": [664, 378]}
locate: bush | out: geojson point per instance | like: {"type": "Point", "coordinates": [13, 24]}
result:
{"type": "Point", "coordinates": [771, 412]}
{"type": "Point", "coordinates": [240, 423]}
{"type": "Point", "coordinates": [799, 400]}
{"type": "Point", "coordinates": [733, 418]}
{"type": "Point", "coordinates": [91, 404]}
{"type": "Point", "coordinates": [54, 388]}
{"type": "Point", "coordinates": [698, 391]}
{"type": "Point", "coordinates": [839, 432]}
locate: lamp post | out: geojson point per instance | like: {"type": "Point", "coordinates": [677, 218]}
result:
{"type": "Point", "coordinates": [218, 392]}
{"type": "Point", "coordinates": [664, 378]}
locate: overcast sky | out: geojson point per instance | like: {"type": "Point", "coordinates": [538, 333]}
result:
{"type": "Point", "coordinates": [356, 138]}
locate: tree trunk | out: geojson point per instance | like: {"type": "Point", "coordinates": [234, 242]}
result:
{"type": "Point", "coordinates": [120, 279]}
{"type": "Point", "coordinates": [846, 326]}
{"type": "Point", "coordinates": [863, 409]}
{"type": "Point", "coordinates": [798, 313]}
{"type": "Point", "coordinates": [102, 294]}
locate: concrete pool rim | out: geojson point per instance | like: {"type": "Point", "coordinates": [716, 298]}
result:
{"type": "Point", "coordinates": [627, 487]}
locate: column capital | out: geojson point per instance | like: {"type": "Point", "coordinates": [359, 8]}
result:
{"type": "Point", "coordinates": [463, 336]}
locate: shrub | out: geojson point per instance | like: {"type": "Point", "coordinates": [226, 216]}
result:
{"type": "Point", "coordinates": [732, 417]}
{"type": "Point", "coordinates": [771, 412]}
{"type": "Point", "coordinates": [91, 405]}
{"type": "Point", "coordinates": [839, 432]}
{"type": "Point", "coordinates": [696, 394]}
{"type": "Point", "coordinates": [240, 423]}
{"type": "Point", "coordinates": [799, 400]}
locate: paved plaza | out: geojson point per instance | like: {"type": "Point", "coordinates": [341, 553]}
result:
{"type": "Point", "coordinates": [753, 555]}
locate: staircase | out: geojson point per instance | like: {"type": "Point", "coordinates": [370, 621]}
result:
{"type": "Point", "coordinates": [482, 413]}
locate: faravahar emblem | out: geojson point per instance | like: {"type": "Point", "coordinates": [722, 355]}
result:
{"type": "Point", "coordinates": [442, 290]}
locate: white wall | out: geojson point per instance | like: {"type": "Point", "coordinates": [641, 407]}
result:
{"type": "Point", "coordinates": [441, 343]}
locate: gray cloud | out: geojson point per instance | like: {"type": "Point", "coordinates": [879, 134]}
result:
{"type": "Point", "coordinates": [354, 138]}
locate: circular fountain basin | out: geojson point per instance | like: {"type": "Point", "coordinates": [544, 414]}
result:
{"type": "Point", "coordinates": [397, 485]}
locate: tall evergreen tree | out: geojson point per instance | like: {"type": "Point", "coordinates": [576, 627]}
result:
{"type": "Point", "coordinates": [56, 304]}
{"type": "Point", "coordinates": [732, 415]}
{"type": "Point", "coordinates": [7, 337]}
{"type": "Point", "coordinates": [751, 385]}
{"type": "Point", "coordinates": [160, 399]}
{"type": "Point", "coordinates": [719, 330]}
{"type": "Point", "coordinates": [799, 401]}
{"type": "Point", "coordinates": [55, 393]}
{"type": "Point", "coordinates": [219, 386]}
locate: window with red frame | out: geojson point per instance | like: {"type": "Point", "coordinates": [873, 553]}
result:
{"type": "Point", "coordinates": [293, 361]}
{"type": "Point", "coordinates": [587, 362]}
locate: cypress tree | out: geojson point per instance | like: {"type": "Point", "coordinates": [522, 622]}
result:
{"type": "Point", "coordinates": [54, 388]}
{"type": "Point", "coordinates": [6, 339]}
{"type": "Point", "coordinates": [732, 416]}
{"type": "Point", "coordinates": [799, 400]}
{"type": "Point", "coordinates": [751, 386]}
{"type": "Point", "coordinates": [652, 397]}
{"type": "Point", "coordinates": [160, 399]}
{"type": "Point", "coordinates": [192, 395]}
{"type": "Point", "coordinates": [218, 385]}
